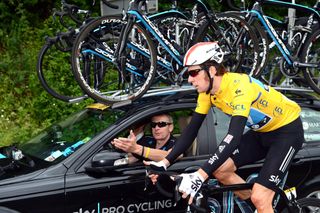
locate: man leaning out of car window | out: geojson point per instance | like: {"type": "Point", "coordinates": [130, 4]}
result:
{"type": "Point", "coordinates": [155, 147]}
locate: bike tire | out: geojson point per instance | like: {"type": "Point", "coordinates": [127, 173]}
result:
{"type": "Point", "coordinates": [311, 54]}
{"type": "Point", "coordinates": [167, 24]}
{"type": "Point", "coordinates": [307, 205]}
{"type": "Point", "coordinates": [263, 40]}
{"type": "Point", "coordinates": [96, 44]}
{"type": "Point", "coordinates": [55, 75]}
{"type": "Point", "coordinates": [243, 56]}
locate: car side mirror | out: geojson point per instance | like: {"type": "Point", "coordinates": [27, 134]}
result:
{"type": "Point", "coordinates": [106, 161]}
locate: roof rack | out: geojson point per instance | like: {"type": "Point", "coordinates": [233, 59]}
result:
{"type": "Point", "coordinates": [175, 92]}
{"type": "Point", "coordinates": [168, 93]}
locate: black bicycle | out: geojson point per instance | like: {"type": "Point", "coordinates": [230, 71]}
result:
{"type": "Point", "coordinates": [54, 58]}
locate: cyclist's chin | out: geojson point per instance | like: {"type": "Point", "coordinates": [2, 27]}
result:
{"type": "Point", "coordinates": [200, 90]}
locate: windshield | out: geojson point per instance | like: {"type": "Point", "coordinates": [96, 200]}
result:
{"type": "Point", "coordinates": [62, 139]}
{"type": "Point", "coordinates": [57, 142]}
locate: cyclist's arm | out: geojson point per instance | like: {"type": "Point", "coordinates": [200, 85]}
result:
{"type": "Point", "coordinates": [227, 146]}
{"type": "Point", "coordinates": [243, 96]}
{"type": "Point", "coordinates": [187, 137]}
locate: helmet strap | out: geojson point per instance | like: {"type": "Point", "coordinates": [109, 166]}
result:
{"type": "Point", "coordinates": [210, 81]}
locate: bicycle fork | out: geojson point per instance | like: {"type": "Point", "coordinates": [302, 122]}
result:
{"type": "Point", "coordinates": [120, 52]}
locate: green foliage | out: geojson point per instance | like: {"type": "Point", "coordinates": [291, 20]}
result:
{"type": "Point", "coordinates": [25, 107]}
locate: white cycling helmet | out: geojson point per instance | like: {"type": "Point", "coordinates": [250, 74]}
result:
{"type": "Point", "coordinates": [202, 52]}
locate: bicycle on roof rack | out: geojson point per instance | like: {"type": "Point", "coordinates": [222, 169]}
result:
{"type": "Point", "coordinates": [53, 63]}
{"type": "Point", "coordinates": [205, 201]}
{"type": "Point", "coordinates": [141, 57]}
{"type": "Point", "coordinates": [298, 45]}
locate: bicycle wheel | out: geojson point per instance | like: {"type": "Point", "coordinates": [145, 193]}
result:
{"type": "Point", "coordinates": [307, 205]}
{"type": "Point", "coordinates": [262, 40]}
{"type": "Point", "coordinates": [54, 72]}
{"type": "Point", "coordinates": [176, 29]}
{"type": "Point", "coordinates": [311, 54]}
{"type": "Point", "coordinates": [239, 42]}
{"type": "Point", "coordinates": [94, 66]}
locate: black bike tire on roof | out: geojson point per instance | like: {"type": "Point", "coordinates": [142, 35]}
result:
{"type": "Point", "coordinates": [91, 30]}
{"type": "Point", "coordinates": [230, 18]}
{"type": "Point", "coordinates": [309, 74]}
{"type": "Point", "coordinates": [49, 77]}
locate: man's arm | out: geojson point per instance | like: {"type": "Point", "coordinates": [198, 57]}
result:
{"type": "Point", "coordinates": [227, 146]}
{"type": "Point", "coordinates": [187, 137]}
{"type": "Point", "coordinates": [154, 154]}
{"type": "Point", "coordinates": [138, 151]}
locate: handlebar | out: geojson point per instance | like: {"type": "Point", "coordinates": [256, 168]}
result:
{"type": "Point", "coordinates": [174, 180]}
{"type": "Point", "coordinates": [72, 10]}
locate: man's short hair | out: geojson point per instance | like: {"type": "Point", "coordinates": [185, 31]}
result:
{"type": "Point", "coordinates": [167, 115]}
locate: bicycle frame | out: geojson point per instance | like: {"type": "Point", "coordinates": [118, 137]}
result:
{"type": "Point", "coordinates": [108, 54]}
{"type": "Point", "coordinates": [212, 187]}
{"type": "Point", "coordinates": [230, 198]}
{"type": "Point", "coordinates": [211, 190]}
{"type": "Point", "coordinates": [134, 12]}
{"type": "Point", "coordinates": [135, 16]}
{"type": "Point", "coordinates": [256, 11]}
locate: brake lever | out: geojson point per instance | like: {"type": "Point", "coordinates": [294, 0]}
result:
{"type": "Point", "coordinates": [177, 194]}
{"type": "Point", "coordinates": [195, 205]}
{"type": "Point", "coordinates": [147, 181]}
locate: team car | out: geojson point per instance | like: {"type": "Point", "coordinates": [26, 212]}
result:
{"type": "Point", "coordinates": [72, 167]}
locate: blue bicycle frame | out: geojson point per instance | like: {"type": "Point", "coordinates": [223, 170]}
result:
{"type": "Point", "coordinates": [257, 12]}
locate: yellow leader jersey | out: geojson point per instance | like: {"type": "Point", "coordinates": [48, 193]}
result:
{"type": "Point", "coordinates": [240, 94]}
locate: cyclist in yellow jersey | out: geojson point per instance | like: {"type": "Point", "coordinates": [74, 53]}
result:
{"type": "Point", "coordinates": [276, 133]}
{"type": "Point", "coordinates": [240, 94]}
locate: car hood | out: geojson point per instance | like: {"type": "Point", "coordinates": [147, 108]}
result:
{"type": "Point", "coordinates": [22, 178]}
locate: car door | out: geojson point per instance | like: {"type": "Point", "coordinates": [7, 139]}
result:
{"type": "Point", "coordinates": [35, 192]}
{"type": "Point", "coordinates": [117, 189]}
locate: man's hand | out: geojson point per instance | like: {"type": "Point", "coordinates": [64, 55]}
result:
{"type": "Point", "coordinates": [128, 145]}
{"type": "Point", "coordinates": [190, 184]}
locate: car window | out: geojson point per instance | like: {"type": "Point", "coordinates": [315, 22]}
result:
{"type": "Point", "coordinates": [311, 124]}
{"type": "Point", "coordinates": [61, 139]}
{"type": "Point", "coordinates": [180, 118]}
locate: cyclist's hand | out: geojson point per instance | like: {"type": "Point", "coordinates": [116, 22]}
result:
{"type": "Point", "coordinates": [190, 184]}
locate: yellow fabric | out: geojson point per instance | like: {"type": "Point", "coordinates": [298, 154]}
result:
{"type": "Point", "coordinates": [240, 94]}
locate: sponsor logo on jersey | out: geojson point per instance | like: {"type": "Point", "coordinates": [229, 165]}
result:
{"type": "Point", "coordinates": [275, 179]}
{"type": "Point", "coordinates": [238, 92]}
{"type": "Point", "coordinates": [277, 111]}
{"type": "Point", "coordinates": [228, 138]}
{"type": "Point", "coordinates": [236, 152]}
{"type": "Point", "coordinates": [238, 107]}
{"type": "Point", "coordinates": [221, 148]}
{"type": "Point", "coordinates": [213, 159]}
{"type": "Point", "coordinates": [262, 104]}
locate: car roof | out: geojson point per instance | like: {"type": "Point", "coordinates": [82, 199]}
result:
{"type": "Point", "coordinates": [304, 99]}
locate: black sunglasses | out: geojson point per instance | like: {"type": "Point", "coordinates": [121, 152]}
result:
{"type": "Point", "coordinates": [194, 73]}
{"type": "Point", "coordinates": [159, 124]}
